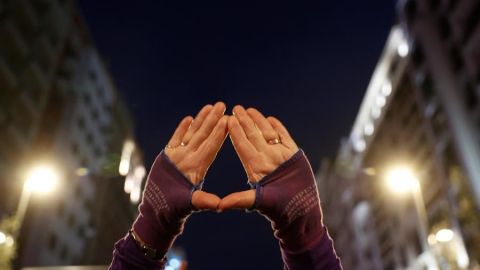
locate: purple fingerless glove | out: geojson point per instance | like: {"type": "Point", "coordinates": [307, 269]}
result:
{"type": "Point", "coordinates": [288, 198]}
{"type": "Point", "coordinates": [166, 204]}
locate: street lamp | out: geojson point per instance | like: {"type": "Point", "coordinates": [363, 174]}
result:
{"type": "Point", "coordinates": [3, 238]}
{"type": "Point", "coordinates": [42, 179]}
{"type": "Point", "coordinates": [444, 235]}
{"type": "Point", "coordinates": [403, 180]}
{"type": "Point", "coordinates": [450, 243]}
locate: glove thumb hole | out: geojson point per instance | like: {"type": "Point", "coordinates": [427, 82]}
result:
{"type": "Point", "coordinates": [238, 200]}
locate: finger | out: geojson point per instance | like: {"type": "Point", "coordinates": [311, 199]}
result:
{"type": "Point", "coordinates": [208, 125]}
{"type": "Point", "coordinates": [197, 122]}
{"type": "Point", "coordinates": [265, 127]}
{"type": "Point", "coordinates": [242, 145]}
{"type": "Point", "coordinates": [238, 200]}
{"type": "Point", "coordinates": [253, 134]}
{"type": "Point", "coordinates": [180, 131]}
{"type": "Point", "coordinates": [209, 148]}
{"type": "Point", "coordinates": [285, 137]}
{"type": "Point", "coordinates": [202, 200]}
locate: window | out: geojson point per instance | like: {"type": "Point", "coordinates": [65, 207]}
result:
{"type": "Point", "coordinates": [97, 151]}
{"type": "Point", "coordinates": [81, 122]}
{"type": "Point", "coordinates": [95, 114]}
{"type": "Point", "coordinates": [434, 4]}
{"type": "Point", "coordinates": [456, 58]}
{"type": "Point", "coordinates": [86, 98]}
{"type": "Point", "coordinates": [84, 162]}
{"type": "Point", "coordinates": [52, 241]}
{"type": "Point", "coordinates": [438, 123]}
{"type": "Point", "coordinates": [64, 253]}
{"type": "Point", "coordinates": [470, 97]}
{"type": "Point", "coordinates": [427, 87]}
{"type": "Point", "coordinates": [74, 148]}
{"type": "Point", "coordinates": [61, 208]}
{"type": "Point", "coordinates": [89, 138]}
{"type": "Point", "coordinates": [101, 92]}
{"type": "Point", "coordinates": [417, 53]}
{"type": "Point", "coordinates": [78, 190]}
{"type": "Point", "coordinates": [71, 220]}
{"type": "Point", "coordinates": [444, 27]}
{"type": "Point", "coordinates": [472, 22]}
{"type": "Point", "coordinates": [92, 75]}
{"type": "Point", "coordinates": [410, 10]}
{"type": "Point", "coordinates": [81, 231]}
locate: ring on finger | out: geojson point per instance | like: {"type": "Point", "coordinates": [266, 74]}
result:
{"type": "Point", "coordinates": [274, 141]}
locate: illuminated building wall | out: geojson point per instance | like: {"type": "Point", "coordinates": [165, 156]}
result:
{"type": "Point", "coordinates": [421, 109]}
{"type": "Point", "coordinates": [59, 102]}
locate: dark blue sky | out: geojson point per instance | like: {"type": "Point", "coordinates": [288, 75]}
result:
{"type": "Point", "coordinates": [307, 65]}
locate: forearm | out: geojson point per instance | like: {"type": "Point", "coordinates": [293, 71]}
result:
{"type": "Point", "coordinates": [128, 255]}
{"type": "Point", "coordinates": [288, 197]}
{"type": "Point", "coordinates": [321, 255]}
{"type": "Point", "coordinates": [166, 203]}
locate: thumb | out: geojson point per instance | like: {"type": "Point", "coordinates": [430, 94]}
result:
{"type": "Point", "coordinates": [202, 200]}
{"type": "Point", "coordinates": [238, 200]}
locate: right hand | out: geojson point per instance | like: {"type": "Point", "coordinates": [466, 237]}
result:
{"type": "Point", "coordinates": [195, 144]}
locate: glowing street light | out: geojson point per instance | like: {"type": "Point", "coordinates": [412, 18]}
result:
{"type": "Point", "coordinates": [42, 179]}
{"type": "Point", "coordinates": [3, 238]}
{"type": "Point", "coordinates": [444, 235]}
{"type": "Point", "coordinates": [402, 180]}
{"type": "Point", "coordinates": [449, 243]}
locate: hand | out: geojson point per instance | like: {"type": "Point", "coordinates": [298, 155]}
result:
{"type": "Point", "coordinates": [262, 145]}
{"type": "Point", "coordinates": [195, 144]}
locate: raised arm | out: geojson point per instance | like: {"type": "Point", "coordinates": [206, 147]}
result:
{"type": "Point", "coordinates": [173, 190]}
{"type": "Point", "coordinates": [283, 190]}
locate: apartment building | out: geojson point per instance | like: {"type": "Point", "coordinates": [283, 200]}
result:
{"type": "Point", "coordinates": [420, 111]}
{"type": "Point", "coordinates": [59, 103]}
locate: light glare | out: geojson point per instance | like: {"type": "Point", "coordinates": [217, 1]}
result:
{"type": "Point", "coordinates": [444, 235]}
{"type": "Point", "coordinates": [403, 49]}
{"type": "Point", "coordinates": [175, 263]}
{"type": "Point", "coordinates": [368, 129]}
{"type": "Point", "coordinates": [3, 238]}
{"type": "Point", "coordinates": [127, 151]}
{"type": "Point", "coordinates": [42, 179]}
{"type": "Point", "coordinates": [387, 88]}
{"type": "Point", "coordinates": [402, 180]}
{"type": "Point", "coordinates": [9, 241]}
{"type": "Point", "coordinates": [359, 145]}
{"type": "Point", "coordinates": [376, 112]}
{"type": "Point", "coordinates": [82, 171]}
{"type": "Point", "coordinates": [381, 101]}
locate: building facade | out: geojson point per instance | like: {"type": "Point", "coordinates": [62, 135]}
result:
{"type": "Point", "coordinates": [421, 111]}
{"type": "Point", "coordinates": [59, 103]}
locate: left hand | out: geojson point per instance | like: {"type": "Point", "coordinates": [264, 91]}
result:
{"type": "Point", "coordinates": [195, 144]}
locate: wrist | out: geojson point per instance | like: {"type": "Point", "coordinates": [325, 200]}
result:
{"type": "Point", "coordinates": [147, 250]}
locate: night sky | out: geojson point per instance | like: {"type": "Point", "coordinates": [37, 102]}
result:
{"type": "Point", "coordinates": [307, 65]}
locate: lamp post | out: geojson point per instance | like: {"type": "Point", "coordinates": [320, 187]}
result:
{"type": "Point", "coordinates": [402, 180]}
{"type": "Point", "coordinates": [42, 179]}
{"type": "Point", "coordinates": [449, 245]}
